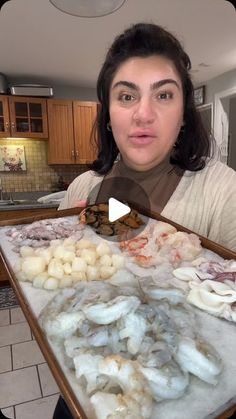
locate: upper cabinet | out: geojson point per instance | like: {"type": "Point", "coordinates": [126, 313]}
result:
{"type": "Point", "coordinates": [23, 117]}
{"type": "Point", "coordinates": [70, 128]}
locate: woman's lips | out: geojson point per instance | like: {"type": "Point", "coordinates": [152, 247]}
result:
{"type": "Point", "coordinates": [141, 139]}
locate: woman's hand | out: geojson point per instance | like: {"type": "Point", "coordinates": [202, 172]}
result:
{"type": "Point", "coordinates": [81, 204]}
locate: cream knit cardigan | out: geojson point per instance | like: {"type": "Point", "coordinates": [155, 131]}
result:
{"type": "Point", "coordinates": [204, 201]}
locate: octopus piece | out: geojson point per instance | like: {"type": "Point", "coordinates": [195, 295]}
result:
{"type": "Point", "coordinates": [41, 233]}
{"type": "Point", "coordinates": [214, 297]}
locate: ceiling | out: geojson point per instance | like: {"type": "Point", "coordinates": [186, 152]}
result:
{"type": "Point", "coordinates": [40, 44]}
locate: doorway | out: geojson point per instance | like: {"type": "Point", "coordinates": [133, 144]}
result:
{"type": "Point", "coordinates": [225, 126]}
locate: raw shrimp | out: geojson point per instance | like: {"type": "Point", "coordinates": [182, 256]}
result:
{"type": "Point", "coordinates": [87, 366]}
{"type": "Point", "coordinates": [117, 406]}
{"type": "Point", "coordinates": [63, 324]}
{"type": "Point", "coordinates": [137, 399]}
{"type": "Point", "coordinates": [168, 382]}
{"type": "Point", "coordinates": [199, 358]}
{"type": "Point", "coordinates": [132, 326]}
{"type": "Point", "coordinates": [105, 313]}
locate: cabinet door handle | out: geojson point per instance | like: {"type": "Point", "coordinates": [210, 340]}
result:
{"type": "Point", "coordinates": [13, 125]}
{"type": "Point", "coordinates": [77, 153]}
{"type": "Point", "coordinates": [73, 153]}
{"type": "Point", "coordinates": [7, 126]}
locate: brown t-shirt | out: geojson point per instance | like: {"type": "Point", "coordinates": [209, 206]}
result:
{"type": "Point", "coordinates": [159, 183]}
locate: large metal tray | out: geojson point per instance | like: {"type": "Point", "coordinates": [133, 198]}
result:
{"type": "Point", "coordinates": [222, 412]}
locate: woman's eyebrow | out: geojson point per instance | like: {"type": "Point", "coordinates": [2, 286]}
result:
{"type": "Point", "coordinates": [126, 84]}
{"type": "Point", "coordinates": [161, 83]}
{"type": "Point", "coordinates": [155, 85]}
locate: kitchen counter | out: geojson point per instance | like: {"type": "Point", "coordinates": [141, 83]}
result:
{"type": "Point", "coordinates": [27, 205]}
{"type": "Point", "coordinates": [27, 201]}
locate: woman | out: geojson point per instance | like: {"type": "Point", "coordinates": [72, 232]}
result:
{"type": "Point", "coordinates": [148, 119]}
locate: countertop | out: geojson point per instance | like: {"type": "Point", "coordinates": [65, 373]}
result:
{"type": "Point", "coordinates": [27, 200]}
{"type": "Point", "coordinates": [28, 205]}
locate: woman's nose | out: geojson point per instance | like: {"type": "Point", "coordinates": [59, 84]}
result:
{"type": "Point", "coordinates": [144, 111]}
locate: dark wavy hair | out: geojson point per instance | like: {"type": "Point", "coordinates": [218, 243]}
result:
{"type": "Point", "coordinates": [193, 145]}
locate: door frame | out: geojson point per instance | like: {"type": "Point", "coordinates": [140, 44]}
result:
{"type": "Point", "coordinates": [221, 124]}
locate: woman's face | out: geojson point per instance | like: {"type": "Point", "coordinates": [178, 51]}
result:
{"type": "Point", "coordinates": [146, 110]}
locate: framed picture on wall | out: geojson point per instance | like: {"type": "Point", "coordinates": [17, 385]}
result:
{"type": "Point", "coordinates": [12, 158]}
{"type": "Point", "coordinates": [199, 95]}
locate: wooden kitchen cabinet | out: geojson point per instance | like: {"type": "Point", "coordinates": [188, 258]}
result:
{"type": "Point", "coordinates": [23, 117]}
{"type": "Point", "coordinates": [70, 127]}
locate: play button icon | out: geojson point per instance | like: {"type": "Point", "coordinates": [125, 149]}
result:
{"type": "Point", "coordinates": [118, 197]}
{"type": "Point", "coordinates": [116, 209]}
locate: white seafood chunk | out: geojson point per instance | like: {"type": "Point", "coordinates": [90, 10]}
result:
{"type": "Point", "coordinates": [79, 264]}
{"type": "Point", "coordinates": [214, 297]}
{"type": "Point", "coordinates": [46, 254]}
{"type": "Point", "coordinates": [173, 295]}
{"type": "Point", "coordinates": [51, 283]}
{"type": "Point", "coordinates": [63, 324]}
{"type": "Point", "coordinates": [78, 276]}
{"type": "Point", "coordinates": [74, 344]}
{"type": "Point", "coordinates": [199, 358]}
{"type": "Point", "coordinates": [103, 249]}
{"type": "Point", "coordinates": [106, 272]}
{"type": "Point", "coordinates": [55, 269]}
{"type": "Point", "coordinates": [21, 276]}
{"type": "Point", "coordinates": [105, 405]}
{"type": "Point", "coordinates": [133, 327]}
{"type": "Point", "coordinates": [39, 280]}
{"type": "Point", "coordinates": [162, 229]}
{"type": "Point", "coordinates": [67, 268]}
{"type": "Point", "coordinates": [125, 374]}
{"type": "Point", "coordinates": [32, 266]}
{"type": "Point", "coordinates": [66, 281]}
{"type": "Point", "coordinates": [87, 365]}
{"type": "Point", "coordinates": [84, 244]}
{"type": "Point", "coordinates": [168, 382]}
{"type": "Point", "coordinates": [105, 260]}
{"type": "Point", "coordinates": [118, 261]}
{"type": "Point", "coordinates": [105, 313]}
{"type": "Point", "coordinates": [26, 251]}
{"type": "Point", "coordinates": [133, 405]}
{"type": "Point", "coordinates": [89, 255]}
{"type": "Point", "coordinates": [92, 273]}
{"type": "Point", "coordinates": [189, 274]}
{"type": "Point", "coordinates": [68, 255]}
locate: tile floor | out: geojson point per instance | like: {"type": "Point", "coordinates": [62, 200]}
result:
{"type": "Point", "coordinates": [27, 387]}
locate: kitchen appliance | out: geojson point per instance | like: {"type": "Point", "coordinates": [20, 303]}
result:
{"type": "Point", "coordinates": [31, 90]}
{"type": "Point", "coordinates": [3, 84]}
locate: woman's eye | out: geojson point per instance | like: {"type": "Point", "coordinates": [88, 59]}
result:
{"type": "Point", "coordinates": [125, 97]}
{"type": "Point", "coordinates": [165, 95]}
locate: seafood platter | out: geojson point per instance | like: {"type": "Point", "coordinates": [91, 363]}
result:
{"type": "Point", "coordinates": [142, 327]}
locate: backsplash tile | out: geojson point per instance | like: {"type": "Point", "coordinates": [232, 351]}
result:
{"type": "Point", "coordinates": [39, 175]}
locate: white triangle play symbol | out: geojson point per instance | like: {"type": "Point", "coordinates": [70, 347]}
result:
{"type": "Point", "coordinates": [116, 209]}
